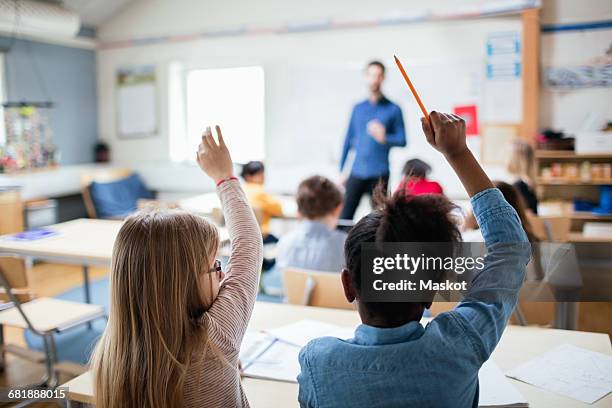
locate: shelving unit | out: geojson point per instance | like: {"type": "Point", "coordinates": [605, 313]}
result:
{"type": "Point", "coordinates": [563, 189]}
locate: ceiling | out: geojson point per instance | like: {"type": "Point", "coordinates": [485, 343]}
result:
{"type": "Point", "coordinates": [93, 12]}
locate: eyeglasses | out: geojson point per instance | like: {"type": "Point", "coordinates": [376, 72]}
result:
{"type": "Point", "coordinates": [216, 267]}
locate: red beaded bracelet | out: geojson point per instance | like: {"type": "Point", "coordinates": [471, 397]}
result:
{"type": "Point", "coordinates": [226, 179]}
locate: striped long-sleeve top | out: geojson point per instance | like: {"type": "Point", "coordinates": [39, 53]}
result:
{"type": "Point", "coordinates": [213, 379]}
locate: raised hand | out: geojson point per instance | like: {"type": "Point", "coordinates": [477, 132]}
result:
{"type": "Point", "coordinates": [214, 158]}
{"type": "Point", "coordinates": [448, 134]}
{"type": "Point", "coordinates": [448, 137]}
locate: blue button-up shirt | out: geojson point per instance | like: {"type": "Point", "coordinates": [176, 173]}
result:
{"type": "Point", "coordinates": [313, 245]}
{"type": "Point", "coordinates": [432, 366]}
{"type": "Point", "coordinates": [371, 157]}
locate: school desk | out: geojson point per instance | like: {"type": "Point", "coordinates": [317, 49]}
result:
{"type": "Point", "coordinates": [84, 242]}
{"type": "Point", "coordinates": [517, 345]}
{"type": "Point", "coordinates": [207, 203]}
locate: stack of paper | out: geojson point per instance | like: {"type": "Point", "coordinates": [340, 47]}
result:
{"type": "Point", "coordinates": [571, 371]}
{"type": "Point", "coordinates": [496, 390]}
{"type": "Point", "coordinates": [274, 354]}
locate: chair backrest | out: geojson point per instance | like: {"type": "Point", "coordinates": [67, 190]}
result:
{"type": "Point", "coordinates": [557, 228]}
{"type": "Point", "coordinates": [102, 175]}
{"type": "Point", "coordinates": [538, 226]}
{"type": "Point", "coordinates": [11, 208]}
{"type": "Point", "coordinates": [314, 288]}
{"type": "Point", "coordinates": [15, 273]}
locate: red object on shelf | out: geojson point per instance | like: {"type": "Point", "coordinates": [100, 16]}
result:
{"type": "Point", "coordinates": [470, 115]}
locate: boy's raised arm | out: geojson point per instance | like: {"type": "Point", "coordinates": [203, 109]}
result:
{"type": "Point", "coordinates": [487, 306]}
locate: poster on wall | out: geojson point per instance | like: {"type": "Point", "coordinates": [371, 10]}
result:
{"type": "Point", "coordinates": [470, 115]}
{"type": "Point", "coordinates": [136, 101]}
{"type": "Point", "coordinates": [503, 84]}
{"type": "Point", "coordinates": [496, 140]}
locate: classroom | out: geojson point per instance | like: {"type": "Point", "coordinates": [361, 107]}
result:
{"type": "Point", "coordinates": [228, 203]}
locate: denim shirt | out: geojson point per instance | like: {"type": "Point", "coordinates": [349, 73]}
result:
{"type": "Point", "coordinates": [432, 366]}
{"type": "Point", "coordinates": [313, 245]}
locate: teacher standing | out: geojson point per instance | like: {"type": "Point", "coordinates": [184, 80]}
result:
{"type": "Point", "coordinates": [376, 126]}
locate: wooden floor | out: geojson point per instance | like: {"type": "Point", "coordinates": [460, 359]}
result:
{"type": "Point", "coordinates": [45, 280]}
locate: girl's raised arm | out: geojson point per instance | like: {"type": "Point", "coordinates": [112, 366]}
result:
{"type": "Point", "coordinates": [232, 309]}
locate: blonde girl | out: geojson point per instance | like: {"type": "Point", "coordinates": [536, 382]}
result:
{"type": "Point", "coordinates": [176, 322]}
{"type": "Point", "coordinates": [521, 165]}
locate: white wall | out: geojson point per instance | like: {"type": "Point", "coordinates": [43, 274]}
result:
{"type": "Point", "coordinates": [454, 40]}
{"type": "Point", "coordinates": [565, 110]}
{"type": "Point", "coordinates": [457, 41]}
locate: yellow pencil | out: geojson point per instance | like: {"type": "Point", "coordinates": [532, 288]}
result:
{"type": "Point", "coordinates": [414, 92]}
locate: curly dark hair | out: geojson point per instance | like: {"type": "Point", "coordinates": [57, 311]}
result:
{"type": "Point", "coordinates": [399, 218]}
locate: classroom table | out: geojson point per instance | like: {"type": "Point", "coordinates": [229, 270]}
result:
{"type": "Point", "coordinates": [86, 242]}
{"type": "Point", "coordinates": [518, 344]}
{"type": "Point", "coordinates": [207, 203]}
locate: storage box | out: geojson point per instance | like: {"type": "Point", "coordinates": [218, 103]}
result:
{"type": "Point", "coordinates": [41, 213]}
{"type": "Point", "coordinates": [593, 142]}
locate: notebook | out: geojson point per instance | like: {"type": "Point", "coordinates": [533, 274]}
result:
{"type": "Point", "coordinates": [303, 331]}
{"type": "Point", "coordinates": [273, 354]}
{"type": "Point", "coordinates": [269, 359]}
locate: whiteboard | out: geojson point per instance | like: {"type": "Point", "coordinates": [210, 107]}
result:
{"type": "Point", "coordinates": [327, 92]}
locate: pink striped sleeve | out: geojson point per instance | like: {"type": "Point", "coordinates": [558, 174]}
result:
{"type": "Point", "coordinates": [231, 311]}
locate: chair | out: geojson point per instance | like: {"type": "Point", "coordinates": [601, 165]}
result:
{"type": "Point", "coordinates": [314, 288]}
{"type": "Point", "coordinates": [42, 316]}
{"type": "Point", "coordinates": [557, 228]}
{"type": "Point", "coordinates": [105, 177]}
{"type": "Point", "coordinates": [538, 226]}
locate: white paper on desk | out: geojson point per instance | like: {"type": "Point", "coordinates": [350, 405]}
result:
{"type": "Point", "coordinates": [253, 345]}
{"type": "Point", "coordinates": [300, 333]}
{"type": "Point", "coordinates": [569, 370]}
{"type": "Point", "coordinates": [278, 362]}
{"type": "Point", "coordinates": [496, 390]}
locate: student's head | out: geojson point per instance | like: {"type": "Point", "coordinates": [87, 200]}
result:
{"type": "Point", "coordinates": [416, 168]}
{"type": "Point", "coordinates": [375, 75]}
{"type": "Point", "coordinates": [521, 161]}
{"type": "Point", "coordinates": [162, 279]}
{"type": "Point", "coordinates": [399, 218]}
{"type": "Point", "coordinates": [515, 199]}
{"type": "Point", "coordinates": [253, 172]}
{"type": "Point", "coordinates": [318, 198]}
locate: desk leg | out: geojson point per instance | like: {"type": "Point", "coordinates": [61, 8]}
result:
{"type": "Point", "coordinates": [87, 288]}
{"type": "Point", "coordinates": [566, 315]}
{"type": "Point", "coordinates": [86, 284]}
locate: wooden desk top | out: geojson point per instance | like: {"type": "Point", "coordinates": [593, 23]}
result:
{"type": "Point", "coordinates": [206, 203]}
{"type": "Point", "coordinates": [518, 345]}
{"type": "Point", "coordinates": [87, 240]}
{"type": "Point", "coordinates": [580, 237]}
{"type": "Point", "coordinates": [84, 241]}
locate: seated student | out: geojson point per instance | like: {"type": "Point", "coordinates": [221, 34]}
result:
{"type": "Point", "coordinates": [514, 198]}
{"type": "Point", "coordinates": [393, 361]}
{"type": "Point", "coordinates": [315, 244]}
{"type": "Point", "coordinates": [414, 181]}
{"type": "Point", "coordinates": [521, 164]}
{"type": "Point", "coordinates": [253, 174]}
{"type": "Point", "coordinates": [175, 323]}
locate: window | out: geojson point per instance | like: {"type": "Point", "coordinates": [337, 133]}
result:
{"type": "Point", "coordinates": [232, 98]}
